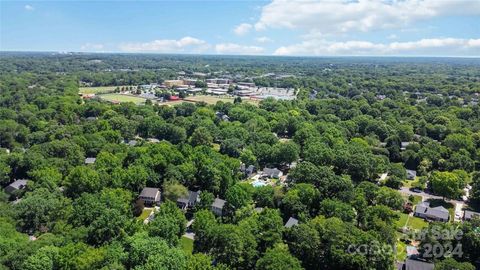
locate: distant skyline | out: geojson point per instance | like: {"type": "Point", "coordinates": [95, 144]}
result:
{"type": "Point", "coordinates": [279, 27]}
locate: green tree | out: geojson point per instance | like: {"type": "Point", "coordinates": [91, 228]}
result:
{"type": "Point", "coordinates": [278, 258]}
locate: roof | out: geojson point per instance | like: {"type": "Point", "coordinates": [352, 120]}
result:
{"type": "Point", "coordinates": [272, 172]}
{"type": "Point", "coordinates": [149, 192]}
{"type": "Point", "coordinates": [132, 142]}
{"type": "Point", "coordinates": [218, 203]}
{"type": "Point", "coordinates": [190, 198]}
{"type": "Point", "coordinates": [153, 140]}
{"type": "Point", "coordinates": [411, 173]}
{"type": "Point", "coordinates": [90, 160]}
{"type": "Point", "coordinates": [411, 264]}
{"type": "Point", "coordinates": [291, 222]}
{"type": "Point", "coordinates": [19, 184]}
{"type": "Point", "coordinates": [470, 214]}
{"type": "Point", "coordinates": [438, 212]}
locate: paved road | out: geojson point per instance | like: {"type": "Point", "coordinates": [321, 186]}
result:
{"type": "Point", "coordinates": [426, 196]}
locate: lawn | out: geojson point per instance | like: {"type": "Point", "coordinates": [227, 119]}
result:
{"type": "Point", "coordinates": [122, 98]}
{"type": "Point", "coordinates": [145, 214]}
{"type": "Point", "coordinates": [187, 244]}
{"type": "Point", "coordinates": [97, 90]}
{"type": "Point", "coordinates": [401, 251]}
{"type": "Point", "coordinates": [411, 222]}
{"type": "Point", "coordinates": [416, 198]}
{"type": "Point", "coordinates": [410, 183]}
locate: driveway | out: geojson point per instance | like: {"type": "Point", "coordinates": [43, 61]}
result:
{"type": "Point", "coordinates": [190, 235]}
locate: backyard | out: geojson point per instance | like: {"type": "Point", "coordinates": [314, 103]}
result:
{"type": "Point", "coordinates": [186, 244]}
{"type": "Point", "coordinates": [411, 222]}
{"type": "Point", "coordinates": [145, 213]}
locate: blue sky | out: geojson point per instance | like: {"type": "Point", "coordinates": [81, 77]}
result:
{"type": "Point", "coordinates": [278, 27]}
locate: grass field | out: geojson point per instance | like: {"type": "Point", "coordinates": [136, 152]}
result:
{"type": "Point", "coordinates": [401, 251]}
{"type": "Point", "coordinates": [186, 244]}
{"type": "Point", "coordinates": [122, 98]}
{"type": "Point", "coordinates": [411, 222]}
{"type": "Point", "coordinates": [145, 214]}
{"type": "Point", "coordinates": [416, 198]}
{"type": "Point", "coordinates": [97, 90]}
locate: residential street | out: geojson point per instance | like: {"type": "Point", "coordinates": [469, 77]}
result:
{"type": "Point", "coordinates": [459, 205]}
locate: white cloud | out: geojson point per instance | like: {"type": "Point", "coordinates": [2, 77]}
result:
{"type": "Point", "coordinates": [91, 47]}
{"type": "Point", "coordinates": [263, 39]}
{"type": "Point", "coordinates": [185, 44]}
{"type": "Point", "coordinates": [242, 29]}
{"type": "Point", "coordinates": [232, 48]}
{"type": "Point", "coordinates": [29, 8]}
{"type": "Point", "coordinates": [434, 46]}
{"type": "Point", "coordinates": [343, 16]}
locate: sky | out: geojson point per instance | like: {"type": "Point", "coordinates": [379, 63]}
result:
{"type": "Point", "coordinates": [278, 27]}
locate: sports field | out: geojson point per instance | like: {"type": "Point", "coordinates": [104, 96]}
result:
{"type": "Point", "coordinates": [122, 98]}
{"type": "Point", "coordinates": [98, 90]}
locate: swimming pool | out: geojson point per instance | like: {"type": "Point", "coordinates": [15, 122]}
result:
{"type": "Point", "coordinates": [259, 183]}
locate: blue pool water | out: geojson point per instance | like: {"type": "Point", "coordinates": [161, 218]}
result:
{"type": "Point", "coordinates": [259, 183]}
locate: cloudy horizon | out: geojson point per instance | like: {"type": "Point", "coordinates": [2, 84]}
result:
{"type": "Point", "coordinates": [278, 27]}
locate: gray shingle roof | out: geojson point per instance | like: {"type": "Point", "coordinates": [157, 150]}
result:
{"type": "Point", "coordinates": [470, 214]}
{"type": "Point", "coordinates": [411, 264]}
{"type": "Point", "coordinates": [272, 172]}
{"type": "Point", "coordinates": [90, 160]}
{"type": "Point", "coordinates": [191, 198]}
{"type": "Point", "coordinates": [149, 192]}
{"type": "Point", "coordinates": [218, 203]}
{"type": "Point", "coordinates": [437, 212]}
{"type": "Point", "coordinates": [19, 184]}
{"type": "Point", "coordinates": [291, 222]}
{"type": "Point", "coordinates": [411, 174]}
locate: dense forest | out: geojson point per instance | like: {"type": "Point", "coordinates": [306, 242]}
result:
{"type": "Point", "coordinates": [347, 126]}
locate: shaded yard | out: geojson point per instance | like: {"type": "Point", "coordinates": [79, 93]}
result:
{"type": "Point", "coordinates": [186, 244]}
{"type": "Point", "coordinates": [145, 214]}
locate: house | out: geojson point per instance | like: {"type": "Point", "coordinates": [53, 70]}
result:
{"type": "Point", "coordinates": [291, 222]}
{"type": "Point", "coordinates": [403, 145]}
{"type": "Point", "coordinates": [469, 215]}
{"type": "Point", "coordinates": [258, 210]}
{"type": "Point", "coordinates": [16, 185]}
{"type": "Point", "coordinates": [271, 173]}
{"type": "Point", "coordinates": [413, 264]}
{"type": "Point", "coordinates": [153, 140]}
{"type": "Point", "coordinates": [247, 171]}
{"type": "Point", "coordinates": [91, 118]}
{"type": "Point", "coordinates": [90, 160]}
{"type": "Point", "coordinates": [150, 195]}
{"type": "Point", "coordinates": [188, 201]}
{"type": "Point", "coordinates": [383, 177]}
{"type": "Point", "coordinates": [217, 206]}
{"type": "Point", "coordinates": [222, 116]}
{"type": "Point", "coordinates": [411, 174]}
{"type": "Point", "coordinates": [438, 213]}
{"type": "Point", "coordinates": [132, 143]}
